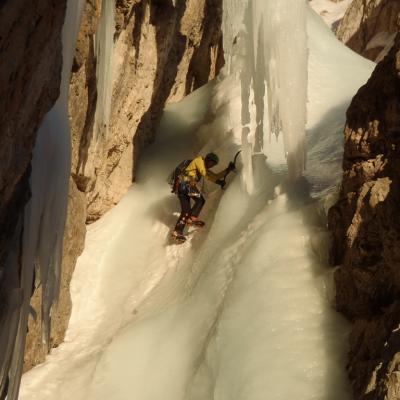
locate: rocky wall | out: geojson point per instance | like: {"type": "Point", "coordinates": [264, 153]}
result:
{"type": "Point", "coordinates": [365, 223]}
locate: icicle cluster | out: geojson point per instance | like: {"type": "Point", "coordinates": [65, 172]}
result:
{"type": "Point", "coordinates": [265, 44]}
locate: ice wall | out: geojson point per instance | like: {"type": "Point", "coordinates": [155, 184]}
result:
{"type": "Point", "coordinates": [265, 45]}
{"type": "Point", "coordinates": [232, 24]}
{"type": "Point", "coordinates": [45, 214]}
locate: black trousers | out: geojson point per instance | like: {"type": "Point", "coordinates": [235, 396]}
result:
{"type": "Point", "coordinates": [187, 210]}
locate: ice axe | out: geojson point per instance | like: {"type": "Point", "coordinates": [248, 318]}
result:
{"type": "Point", "coordinates": [232, 167]}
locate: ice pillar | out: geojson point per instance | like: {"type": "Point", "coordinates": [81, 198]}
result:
{"type": "Point", "coordinates": [286, 57]}
{"type": "Point", "coordinates": [269, 39]}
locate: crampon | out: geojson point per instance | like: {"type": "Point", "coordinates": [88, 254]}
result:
{"type": "Point", "coordinates": [178, 237]}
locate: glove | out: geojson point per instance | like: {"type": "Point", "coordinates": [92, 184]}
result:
{"type": "Point", "coordinates": [221, 182]}
{"type": "Point", "coordinates": [231, 167]}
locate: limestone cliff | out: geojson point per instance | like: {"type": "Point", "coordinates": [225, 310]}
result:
{"type": "Point", "coordinates": [131, 58]}
{"type": "Point", "coordinates": [369, 27]}
{"type": "Point", "coordinates": [366, 227]}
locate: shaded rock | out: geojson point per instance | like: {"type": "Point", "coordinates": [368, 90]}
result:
{"type": "Point", "coordinates": [366, 228]}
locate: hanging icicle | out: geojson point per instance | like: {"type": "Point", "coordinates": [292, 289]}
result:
{"type": "Point", "coordinates": [269, 38]}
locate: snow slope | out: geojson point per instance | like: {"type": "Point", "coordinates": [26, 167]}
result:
{"type": "Point", "coordinates": [242, 309]}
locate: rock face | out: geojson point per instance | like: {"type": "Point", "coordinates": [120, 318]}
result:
{"type": "Point", "coordinates": [366, 228]}
{"type": "Point", "coordinates": [369, 27]}
{"type": "Point", "coordinates": [147, 53]}
{"type": "Point", "coordinates": [30, 73]}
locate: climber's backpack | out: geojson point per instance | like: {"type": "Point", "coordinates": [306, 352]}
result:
{"type": "Point", "coordinates": [174, 177]}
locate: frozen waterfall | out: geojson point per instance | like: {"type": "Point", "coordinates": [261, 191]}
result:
{"type": "Point", "coordinates": [241, 310]}
{"type": "Point", "coordinates": [265, 43]}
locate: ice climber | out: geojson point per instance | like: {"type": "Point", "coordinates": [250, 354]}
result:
{"type": "Point", "coordinates": [185, 179]}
